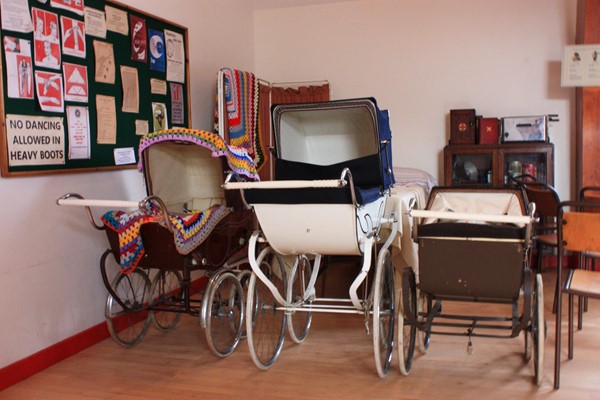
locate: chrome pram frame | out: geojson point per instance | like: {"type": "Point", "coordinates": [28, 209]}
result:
{"type": "Point", "coordinates": [286, 253]}
{"type": "Point", "coordinates": [168, 282]}
{"type": "Point", "coordinates": [452, 274]}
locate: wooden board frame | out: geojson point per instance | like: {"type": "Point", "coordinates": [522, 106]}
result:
{"type": "Point", "coordinates": [102, 155]}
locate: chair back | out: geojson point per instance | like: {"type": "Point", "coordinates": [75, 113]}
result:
{"type": "Point", "coordinates": [589, 193]}
{"type": "Point", "coordinates": [544, 196]}
{"type": "Point", "coordinates": [580, 229]}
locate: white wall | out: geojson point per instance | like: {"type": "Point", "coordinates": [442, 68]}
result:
{"type": "Point", "coordinates": [50, 285]}
{"type": "Point", "coordinates": [420, 59]}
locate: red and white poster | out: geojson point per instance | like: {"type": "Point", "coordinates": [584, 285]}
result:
{"type": "Point", "coordinates": [19, 69]}
{"type": "Point", "coordinates": [46, 40]}
{"type": "Point", "coordinates": [76, 82]}
{"type": "Point", "coordinates": [73, 37]}
{"type": "Point", "coordinates": [139, 41]}
{"type": "Point", "coordinates": [75, 6]}
{"type": "Point", "coordinates": [49, 89]}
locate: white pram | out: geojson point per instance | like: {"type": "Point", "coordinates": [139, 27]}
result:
{"type": "Point", "coordinates": [332, 179]}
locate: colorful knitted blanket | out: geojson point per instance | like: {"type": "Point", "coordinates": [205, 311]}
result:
{"type": "Point", "coordinates": [189, 230]}
{"type": "Point", "coordinates": [242, 99]}
{"type": "Point", "coordinates": [237, 158]}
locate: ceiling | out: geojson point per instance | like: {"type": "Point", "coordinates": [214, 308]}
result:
{"type": "Point", "coordinates": [270, 4]}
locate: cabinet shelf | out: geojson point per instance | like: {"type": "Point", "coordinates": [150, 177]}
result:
{"type": "Point", "coordinates": [491, 165]}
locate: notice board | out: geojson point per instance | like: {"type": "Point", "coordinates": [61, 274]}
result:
{"type": "Point", "coordinates": [82, 80]}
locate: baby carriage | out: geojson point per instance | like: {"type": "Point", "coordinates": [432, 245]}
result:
{"type": "Point", "coordinates": [333, 173]}
{"type": "Point", "coordinates": [186, 224]}
{"type": "Point", "coordinates": [474, 246]}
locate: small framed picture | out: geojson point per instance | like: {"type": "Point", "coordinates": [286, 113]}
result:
{"type": "Point", "coordinates": [525, 129]}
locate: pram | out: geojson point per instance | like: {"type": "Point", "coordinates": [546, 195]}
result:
{"type": "Point", "coordinates": [187, 223]}
{"type": "Point", "coordinates": [333, 172]}
{"type": "Point", "coordinates": [474, 246]}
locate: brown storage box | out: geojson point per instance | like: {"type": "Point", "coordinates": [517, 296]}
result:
{"type": "Point", "coordinates": [462, 126]}
{"type": "Point", "coordinates": [488, 130]}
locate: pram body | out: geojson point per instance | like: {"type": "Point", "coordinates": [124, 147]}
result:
{"type": "Point", "coordinates": [332, 178]}
{"type": "Point", "coordinates": [474, 246]}
{"type": "Point", "coordinates": [187, 223]}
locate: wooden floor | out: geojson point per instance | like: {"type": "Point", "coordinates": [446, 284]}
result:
{"type": "Point", "coordinates": [335, 362]}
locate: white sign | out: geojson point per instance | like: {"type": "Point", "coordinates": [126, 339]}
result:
{"type": "Point", "coordinates": [581, 65]}
{"type": "Point", "coordinates": [34, 140]}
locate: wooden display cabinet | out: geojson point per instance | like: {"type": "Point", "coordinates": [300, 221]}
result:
{"type": "Point", "coordinates": [490, 165]}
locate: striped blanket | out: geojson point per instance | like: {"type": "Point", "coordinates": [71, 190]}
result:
{"type": "Point", "coordinates": [241, 101]}
{"type": "Point", "coordinates": [189, 230]}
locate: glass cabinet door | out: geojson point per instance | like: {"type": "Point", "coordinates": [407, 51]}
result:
{"type": "Point", "coordinates": [534, 164]}
{"type": "Point", "coordinates": [472, 168]}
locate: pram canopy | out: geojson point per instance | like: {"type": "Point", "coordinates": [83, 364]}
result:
{"type": "Point", "coordinates": [317, 141]}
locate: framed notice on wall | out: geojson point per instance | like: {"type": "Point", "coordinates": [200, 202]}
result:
{"type": "Point", "coordinates": [79, 84]}
{"type": "Point", "coordinates": [581, 65]}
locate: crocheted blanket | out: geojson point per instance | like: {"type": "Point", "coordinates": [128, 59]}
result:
{"type": "Point", "coordinates": [189, 230]}
{"type": "Point", "coordinates": [241, 97]}
{"type": "Point", "coordinates": [237, 158]}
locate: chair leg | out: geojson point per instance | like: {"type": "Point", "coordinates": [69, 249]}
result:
{"type": "Point", "coordinates": [581, 305]}
{"type": "Point", "coordinates": [557, 341]}
{"type": "Point", "coordinates": [556, 294]}
{"type": "Point", "coordinates": [570, 336]}
{"type": "Point", "coordinates": [540, 258]}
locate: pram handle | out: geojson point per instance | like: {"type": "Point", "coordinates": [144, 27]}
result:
{"type": "Point", "coordinates": [75, 199]}
{"type": "Point", "coordinates": [296, 184]}
{"type": "Point", "coordinates": [514, 219]}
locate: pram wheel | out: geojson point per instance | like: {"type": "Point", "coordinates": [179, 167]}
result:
{"type": "Point", "coordinates": [167, 296]}
{"type": "Point", "coordinates": [407, 328]}
{"type": "Point", "coordinates": [244, 278]}
{"type": "Point", "coordinates": [128, 325]}
{"type": "Point", "coordinates": [384, 313]}
{"type": "Point", "coordinates": [265, 320]}
{"type": "Point", "coordinates": [539, 329]}
{"type": "Point", "coordinates": [225, 314]}
{"type": "Point", "coordinates": [423, 309]}
{"type": "Point", "coordinates": [299, 322]}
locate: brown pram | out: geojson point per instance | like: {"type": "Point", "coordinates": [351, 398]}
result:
{"type": "Point", "coordinates": [473, 247]}
{"type": "Point", "coordinates": [186, 224]}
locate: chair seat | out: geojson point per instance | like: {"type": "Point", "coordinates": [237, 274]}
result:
{"type": "Point", "coordinates": [580, 280]}
{"type": "Point", "coordinates": [548, 239]}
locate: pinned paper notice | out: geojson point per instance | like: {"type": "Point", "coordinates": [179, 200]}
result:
{"type": "Point", "coordinates": [124, 156]}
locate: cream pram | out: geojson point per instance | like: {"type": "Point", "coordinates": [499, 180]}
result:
{"type": "Point", "coordinates": [333, 172]}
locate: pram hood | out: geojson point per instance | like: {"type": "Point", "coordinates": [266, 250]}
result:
{"type": "Point", "coordinates": [318, 140]}
{"type": "Point", "coordinates": [185, 167]}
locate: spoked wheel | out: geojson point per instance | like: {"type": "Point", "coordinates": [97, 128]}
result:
{"type": "Point", "coordinates": [423, 309]}
{"type": "Point", "coordinates": [225, 314]}
{"type": "Point", "coordinates": [299, 322]}
{"type": "Point", "coordinates": [384, 313]}
{"type": "Point", "coordinates": [244, 278]}
{"type": "Point", "coordinates": [265, 320]}
{"type": "Point", "coordinates": [167, 296]}
{"type": "Point", "coordinates": [128, 325]}
{"type": "Point", "coordinates": [407, 332]}
{"type": "Point", "coordinates": [539, 329]}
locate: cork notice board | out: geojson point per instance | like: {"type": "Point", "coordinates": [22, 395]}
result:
{"type": "Point", "coordinates": [82, 80]}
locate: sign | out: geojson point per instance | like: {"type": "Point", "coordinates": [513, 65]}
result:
{"type": "Point", "coordinates": [581, 65]}
{"type": "Point", "coordinates": [34, 140]}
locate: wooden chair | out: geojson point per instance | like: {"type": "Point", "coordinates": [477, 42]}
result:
{"type": "Point", "coordinates": [578, 232]}
{"type": "Point", "coordinates": [546, 201]}
{"type": "Point", "coordinates": [588, 259]}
